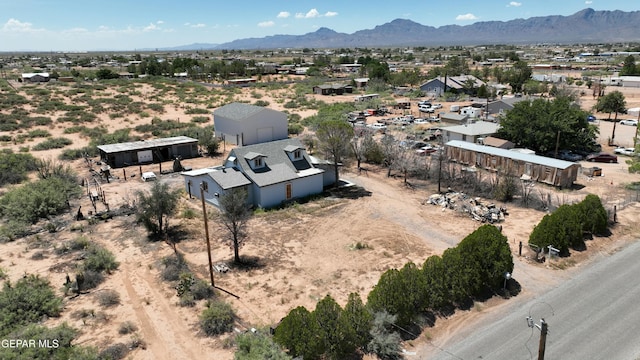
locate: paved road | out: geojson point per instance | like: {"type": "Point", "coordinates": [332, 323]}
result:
{"type": "Point", "coordinates": [593, 315]}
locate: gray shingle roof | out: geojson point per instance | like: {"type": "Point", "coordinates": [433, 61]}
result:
{"type": "Point", "coordinates": [278, 167]}
{"type": "Point", "coordinates": [229, 178]}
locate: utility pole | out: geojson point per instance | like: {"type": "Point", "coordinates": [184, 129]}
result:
{"type": "Point", "coordinates": [206, 234]}
{"type": "Point", "coordinates": [555, 155]}
{"type": "Point", "coordinates": [543, 335]}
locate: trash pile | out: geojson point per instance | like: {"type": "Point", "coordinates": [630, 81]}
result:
{"type": "Point", "coordinates": [462, 202]}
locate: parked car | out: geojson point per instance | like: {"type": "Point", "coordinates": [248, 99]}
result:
{"type": "Point", "coordinates": [437, 106]}
{"type": "Point", "coordinates": [625, 151]}
{"type": "Point", "coordinates": [569, 156]}
{"type": "Point", "coordinates": [420, 121]}
{"type": "Point", "coordinates": [426, 150]}
{"type": "Point", "coordinates": [602, 157]}
{"type": "Point", "coordinates": [425, 109]}
{"type": "Point", "coordinates": [629, 122]}
{"type": "Point", "coordinates": [378, 127]}
{"type": "Point", "coordinates": [424, 103]}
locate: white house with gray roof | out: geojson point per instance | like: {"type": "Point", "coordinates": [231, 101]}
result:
{"type": "Point", "coordinates": [244, 124]}
{"type": "Point", "coordinates": [273, 172]}
{"type": "Point", "coordinates": [469, 132]}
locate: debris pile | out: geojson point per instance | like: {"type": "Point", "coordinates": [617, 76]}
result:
{"type": "Point", "coordinates": [462, 202]}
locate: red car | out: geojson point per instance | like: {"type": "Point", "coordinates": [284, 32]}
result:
{"type": "Point", "coordinates": [602, 157]}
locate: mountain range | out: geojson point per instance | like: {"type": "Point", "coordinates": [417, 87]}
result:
{"type": "Point", "coordinates": [585, 26]}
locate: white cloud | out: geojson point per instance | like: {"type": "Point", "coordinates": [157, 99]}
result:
{"type": "Point", "coordinates": [284, 14]}
{"type": "Point", "coordinates": [266, 24]}
{"type": "Point", "coordinates": [514, 4]}
{"type": "Point", "coordinates": [466, 17]}
{"type": "Point", "coordinates": [330, 13]}
{"type": "Point", "coordinates": [313, 13]}
{"type": "Point", "coordinates": [13, 25]}
{"type": "Point", "coordinates": [150, 27]}
{"type": "Point", "coordinates": [588, 2]}
{"type": "Point", "coordinates": [200, 25]}
{"type": "Point", "coordinates": [160, 22]}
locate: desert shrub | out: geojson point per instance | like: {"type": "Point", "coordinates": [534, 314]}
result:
{"type": "Point", "coordinates": [295, 129]}
{"type": "Point", "coordinates": [188, 213]}
{"type": "Point", "coordinates": [174, 265]}
{"type": "Point", "coordinates": [15, 166]}
{"type": "Point", "coordinates": [79, 243]}
{"type": "Point", "coordinates": [5, 138]}
{"type": "Point", "coordinates": [506, 188]}
{"type": "Point", "coordinates": [108, 298]}
{"type": "Point", "coordinates": [99, 259]}
{"type": "Point", "coordinates": [53, 143]}
{"type": "Point", "coordinates": [127, 327]}
{"type": "Point", "coordinates": [156, 107]}
{"type": "Point", "coordinates": [38, 199]}
{"type": "Point", "coordinates": [258, 345]}
{"type": "Point", "coordinates": [91, 279]}
{"type": "Point", "coordinates": [74, 154]}
{"type": "Point", "coordinates": [193, 111]}
{"type": "Point", "coordinates": [38, 133]}
{"type": "Point", "coordinates": [217, 318]}
{"type": "Point", "coordinates": [114, 352]}
{"type": "Point", "coordinates": [187, 300]}
{"type": "Point", "coordinates": [201, 290]}
{"type": "Point", "coordinates": [12, 230]}
{"type": "Point", "coordinates": [62, 334]}
{"type": "Point", "coordinates": [262, 103]}
{"type": "Point", "coordinates": [25, 302]}
{"type": "Point", "coordinates": [200, 119]}
{"type": "Point", "coordinates": [385, 341]}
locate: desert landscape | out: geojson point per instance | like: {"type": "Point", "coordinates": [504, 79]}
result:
{"type": "Point", "coordinates": [337, 245]}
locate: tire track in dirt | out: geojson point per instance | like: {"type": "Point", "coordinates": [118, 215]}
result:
{"type": "Point", "coordinates": [164, 332]}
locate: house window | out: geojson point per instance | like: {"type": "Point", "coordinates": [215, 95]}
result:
{"type": "Point", "coordinates": [288, 190]}
{"type": "Point", "coordinates": [297, 154]}
{"type": "Point", "coordinates": [204, 185]}
{"type": "Point", "coordinates": [257, 162]}
{"type": "Point", "coordinates": [464, 137]}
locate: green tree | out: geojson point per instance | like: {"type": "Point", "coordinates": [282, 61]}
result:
{"type": "Point", "coordinates": [436, 290]}
{"type": "Point", "coordinates": [518, 75]}
{"type": "Point", "coordinates": [457, 276]}
{"type": "Point", "coordinates": [334, 137]}
{"type": "Point", "coordinates": [106, 74]}
{"type": "Point", "coordinates": [298, 332]}
{"type": "Point", "coordinates": [234, 215]}
{"type": "Point", "coordinates": [536, 124]}
{"type": "Point", "coordinates": [385, 342]}
{"type": "Point", "coordinates": [561, 229]}
{"type": "Point", "coordinates": [594, 216]}
{"type": "Point", "coordinates": [337, 336]}
{"type": "Point", "coordinates": [390, 294]}
{"type": "Point", "coordinates": [613, 102]}
{"type": "Point", "coordinates": [361, 320]}
{"type": "Point", "coordinates": [629, 66]}
{"type": "Point", "coordinates": [156, 206]}
{"type": "Point", "coordinates": [487, 257]}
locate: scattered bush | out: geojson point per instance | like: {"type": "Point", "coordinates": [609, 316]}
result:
{"type": "Point", "coordinates": [201, 290]}
{"type": "Point", "coordinates": [127, 327]}
{"type": "Point", "coordinates": [108, 298]}
{"type": "Point", "coordinates": [53, 143]}
{"type": "Point", "coordinates": [173, 267]}
{"type": "Point", "coordinates": [114, 352]}
{"type": "Point", "coordinates": [217, 318]}
{"type": "Point", "coordinates": [99, 259]}
{"type": "Point", "coordinates": [258, 345]}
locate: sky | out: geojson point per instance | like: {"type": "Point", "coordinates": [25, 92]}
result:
{"type": "Point", "coordinates": [92, 25]}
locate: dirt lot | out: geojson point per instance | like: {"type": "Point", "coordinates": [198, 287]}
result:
{"type": "Point", "coordinates": [300, 254]}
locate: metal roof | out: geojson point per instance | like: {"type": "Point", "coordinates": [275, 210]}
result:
{"type": "Point", "coordinates": [476, 128]}
{"type": "Point", "coordinates": [239, 111]}
{"type": "Point", "coordinates": [146, 144]}
{"type": "Point", "coordinates": [515, 155]}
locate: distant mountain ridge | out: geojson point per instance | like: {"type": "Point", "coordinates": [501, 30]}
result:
{"type": "Point", "coordinates": [585, 26]}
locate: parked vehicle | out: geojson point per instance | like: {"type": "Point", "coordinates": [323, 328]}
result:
{"type": "Point", "coordinates": [437, 106]}
{"type": "Point", "coordinates": [629, 122]}
{"type": "Point", "coordinates": [426, 150]}
{"type": "Point", "coordinates": [420, 121]}
{"type": "Point", "coordinates": [425, 109]}
{"type": "Point", "coordinates": [424, 103]}
{"type": "Point", "coordinates": [378, 127]}
{"type": "Point", "coordinates": [569, 156]}
{"type": "Point", "coordinates": [625, 151]}
{"type": "Point", "coordinates": [602, 157]}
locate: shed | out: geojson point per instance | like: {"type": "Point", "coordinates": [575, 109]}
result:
{"type": "Point", "coordinates": [244, 124]}
{"type": "Point", "coordinates": [538, 168]}
{"type": "Point", "coordinates": [148, 151]}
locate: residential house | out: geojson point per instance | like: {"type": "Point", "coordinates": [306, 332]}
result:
{"type": "Point", "coordinates": [439, 85]}
{"type": "Point", "coordinates": [525, 166]}
{"type": "Point", "coordinates": [332, 89]}
{"type": "Point", "coordinates": [452, 118]}
{"type": "Point", "coordinates": [273, 173]}
{"type": "Point", "coordinates": [35, 77]}
{"type": "Point", "coordinates": [497, 143]}
{"type": "Point", "coordinates": [244, 124]}
{"type": "Point", "coordinates": [471, 132]}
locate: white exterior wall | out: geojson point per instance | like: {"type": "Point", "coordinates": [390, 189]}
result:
{"type": "Point", "coordinates": [274, 195]}
{"type": "Point", "coordinates": [209, 195]}
{"type": "Point", "coordinates": [246, 131]}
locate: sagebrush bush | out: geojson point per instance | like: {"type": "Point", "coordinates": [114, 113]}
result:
{"type": "Point", "coordinates": [108, 298]}
{"type": "Point", "coordinates": [114, 352]}
{"type": "Point", "coordinates": [100, 259]}
{"type": "Point", "coordinates": [217, 318]}
{"type": "Point", "coordinates": [127, 327]}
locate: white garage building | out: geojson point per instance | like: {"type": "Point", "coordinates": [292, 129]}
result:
{"type": "Point", "coordinates": [244, 124]}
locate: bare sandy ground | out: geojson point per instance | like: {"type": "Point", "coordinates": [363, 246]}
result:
{"type": "Point", "coordinates": [301, 254]}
